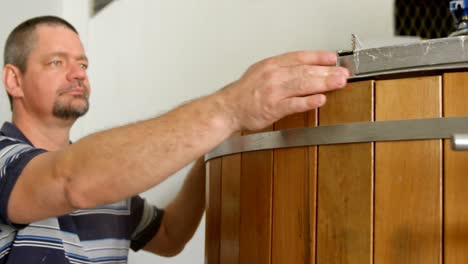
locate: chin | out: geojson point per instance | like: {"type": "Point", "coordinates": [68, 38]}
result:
{"type": "Point", "coordinates": [70, 111]}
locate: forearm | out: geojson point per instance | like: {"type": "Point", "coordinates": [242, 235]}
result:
{"type": "Point", "coordinates": [112, 165]}
{"type": "Point", "coordinates": [182, 216]}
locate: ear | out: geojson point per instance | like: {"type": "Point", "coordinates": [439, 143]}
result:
{"type": "Point", "coordinates": [12, 80]}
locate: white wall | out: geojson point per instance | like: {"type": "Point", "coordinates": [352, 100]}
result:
{"type": "Point", "coordinates": [12, 13]}
{"type": "Point", "coordinates": [149, 56]}
{"type": "Point", "coordinates": [78, 13]}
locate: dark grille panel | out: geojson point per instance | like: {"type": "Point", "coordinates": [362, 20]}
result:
{"type": "Point", "coordinates": [424, 18]}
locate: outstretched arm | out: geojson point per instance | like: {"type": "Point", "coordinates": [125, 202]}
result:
{"type": "Point", "coordinates": [112, 165]}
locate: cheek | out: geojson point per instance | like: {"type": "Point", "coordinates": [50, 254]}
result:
{"type": "Point", "coordinates": [88, 85]}
{"type": "Point", "coordinates": [43, 98]}
{"type": "Point", "coordinates": [41, 92]}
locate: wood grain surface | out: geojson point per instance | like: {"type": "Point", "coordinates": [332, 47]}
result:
{"type": "Point", "coordinates": [408, 200]}
{"type": "Point", "coordinates": [311, 195]}
{"type": "Point", "coordinates": [290, 213]}
{"type": "Point", "coordinates": [455, 174]}
{"type": "Point", "coordinates": [230, 209]}
{"type": "Point", "coordinates": [213, 211]}
{"type": "Point", "coordinates": [256, 206]}
{"type": "Point", "coordinates": [345, 182]}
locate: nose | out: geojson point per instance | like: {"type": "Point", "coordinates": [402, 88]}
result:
{"type": "Point", "coordinates": [76, 72]}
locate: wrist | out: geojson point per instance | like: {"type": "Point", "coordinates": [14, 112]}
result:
{"type": "Point", "coordinates": [225, 109]}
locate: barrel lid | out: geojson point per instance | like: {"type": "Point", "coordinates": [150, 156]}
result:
{"type": "Point", "coordinates": [426, 55]}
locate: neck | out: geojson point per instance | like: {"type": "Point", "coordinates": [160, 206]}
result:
{"type": "Point", "coordinates": [52, 135]}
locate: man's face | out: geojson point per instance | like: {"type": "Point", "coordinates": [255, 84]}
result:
{"type": "Point", "coordinates": [55, 81]}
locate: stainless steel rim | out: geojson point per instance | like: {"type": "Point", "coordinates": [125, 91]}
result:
{"type": "Point", "coordinates": [427, 55]}
{"type": "Point", "coordinates": [399, 130]}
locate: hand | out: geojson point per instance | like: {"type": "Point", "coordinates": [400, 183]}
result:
{"type": "Point", "coordinates": [280, 86]}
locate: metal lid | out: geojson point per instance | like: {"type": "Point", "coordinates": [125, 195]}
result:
{"type": "Point", "coordinates": [426, 55]}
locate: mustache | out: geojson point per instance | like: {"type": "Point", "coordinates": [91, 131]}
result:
{"type": "Point", "coordinates": [72, 86]}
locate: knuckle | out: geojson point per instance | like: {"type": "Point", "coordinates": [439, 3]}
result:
{"type": "Point", "coordinates": [338, 71]}
{"type": "Point", "coordinates": [272, 76]}
{"type": "Point", "coordinates": [269, 104]}
{"type": "Point", "coordinates": [301, 56]}
{"type": "Point", "coordinates": [305, 72]}
{"type": "Point", "coordinates": [317, 101]}
{"type": "Point", "coordinates": [302, 86]}
{"type": "Point", "coordinates": [336, 81]}
{"type": "Point", "coordinates": [252, 68]}
{"type": "Point", "coordinates": [316, 85]}
{"type": "Point", "coordinates": [312, 71]}
{"type": "Point", "coordinates": [270, 62]}
{"type": "Point", "coordinates": [292, 106]}
{"type": "Point", "coordinates": [296, 106]}
{"type": "Point", "coordinates": [263, 65]}
{"type": "Point", "coordinates": [312, 104]}
{"type": "Point", "coordinates": [256, 94]}
{"type": "Point", "coordinates": [270, 108]}
{"type": "Point", "coordinates": [292, 87]}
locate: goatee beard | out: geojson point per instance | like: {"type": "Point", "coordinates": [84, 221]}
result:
{"type": "Point", "coordinates": [67, 111]}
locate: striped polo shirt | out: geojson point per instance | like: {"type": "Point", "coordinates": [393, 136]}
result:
{"type": "Point", "coordinates": [100, 235]}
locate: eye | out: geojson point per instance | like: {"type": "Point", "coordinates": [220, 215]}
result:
{"type": "Point", "coordinates": [56, 63]}
{"type": "Point", "coordinates": [83, 66]}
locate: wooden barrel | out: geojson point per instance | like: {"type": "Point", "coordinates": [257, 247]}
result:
{"type": "Point", "coordinates": [397, 201]}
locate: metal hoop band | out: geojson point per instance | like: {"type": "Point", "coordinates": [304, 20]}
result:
{"type": "Point", "coordinates": [415, 129]}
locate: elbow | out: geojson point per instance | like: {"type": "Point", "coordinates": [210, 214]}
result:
{"type": "Point", "coordinates": [65, 172]}
{"type": "Point", "coordinates": [76, 198]}
{"type": "Point", "coordinates": [172, 252]}
{"type": "Point", "coordinates": [176, 242]}
{"type": "Point", "coordinates": [78, 193]}
{"type": "Point", "coordinates": [77, 190]}
{"type": "Point", "coordinates": [165, 245]}
{"type": "Point", "coordinates": [176, 249]}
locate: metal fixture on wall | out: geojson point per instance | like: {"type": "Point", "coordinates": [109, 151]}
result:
{"type": "Point", "coordinates": [98, 5]}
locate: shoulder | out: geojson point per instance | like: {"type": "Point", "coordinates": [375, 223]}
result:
{"type": "Point", "coordinates": [12, 150]}
{"type": "Point", "coordinates": [10, 147]}
{"type": "Point", "coordinates": [9, 140]}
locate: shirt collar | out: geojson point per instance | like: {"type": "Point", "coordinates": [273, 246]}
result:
{"type": "Point", "coordinates": [10, 130]}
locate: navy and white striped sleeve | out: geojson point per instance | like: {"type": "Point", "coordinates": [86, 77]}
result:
{"type": "Point", "coordinates": [14, 155]}
{"type": "Point", "coordinates": [147, 220]}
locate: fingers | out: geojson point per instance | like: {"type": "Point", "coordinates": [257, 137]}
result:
{"type": "Point", "coordinates": [302, 81]}
{"type": "Point", "coordinates": [317, 71]}
{"type": "Point", "coordinates": [324, 58]}
{"type": "Point", "coordinates": [283, 85]}
{"type": "Point", "coordinates": [301, 104]}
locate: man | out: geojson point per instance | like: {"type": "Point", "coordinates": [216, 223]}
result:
{"type": "Point", "coordinates": [79, 203]}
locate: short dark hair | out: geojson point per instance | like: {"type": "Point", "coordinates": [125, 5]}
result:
{"type": "Point", "coordinates": [23, 38]}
